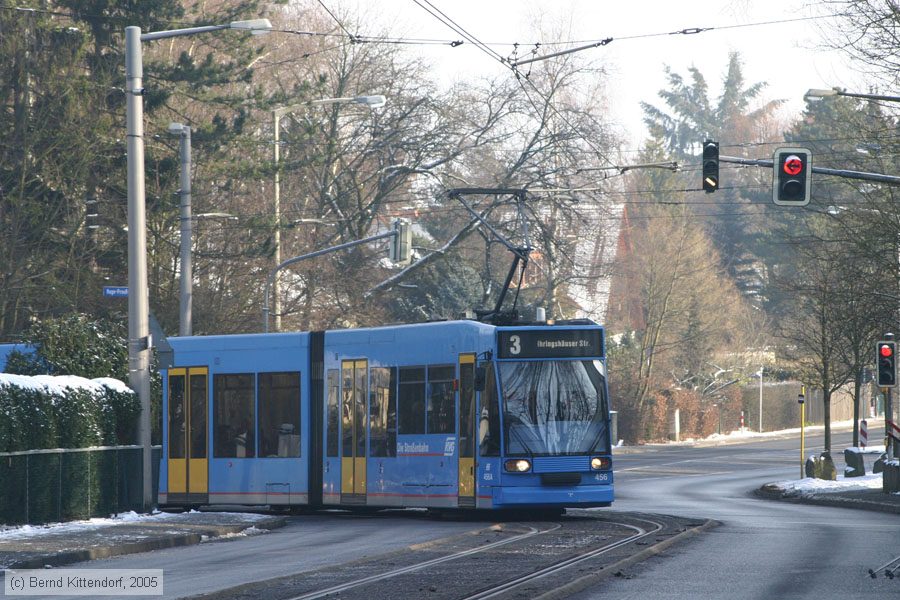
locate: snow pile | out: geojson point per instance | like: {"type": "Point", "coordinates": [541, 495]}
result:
{"type": "Point", "coordinates": [809, 486]}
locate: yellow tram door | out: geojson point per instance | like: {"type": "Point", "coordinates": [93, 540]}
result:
{"type": "Point", "coordinates": [187, 461]}
{"type": "Point", "coordinates": [467, 430]}
{"type": "Point", "coordinates": [354, 424]}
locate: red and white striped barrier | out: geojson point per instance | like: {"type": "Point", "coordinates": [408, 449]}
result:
{"type": "Point", "coordinates": [863, 433]}
{"type": "Point", "coordinates": [893, 430]}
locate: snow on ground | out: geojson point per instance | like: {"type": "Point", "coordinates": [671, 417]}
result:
{"type": "Point", "coordinates": [26, 531]}
{"type": "Point", "coordinates": [8, 533]}
{"type": "Point", "coordinates": [809, 486]}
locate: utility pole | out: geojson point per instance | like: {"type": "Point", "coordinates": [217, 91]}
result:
{"type": "Point", "coordinates": [186, 283]}
{"type": "Point", "coordinates": [760, 397]}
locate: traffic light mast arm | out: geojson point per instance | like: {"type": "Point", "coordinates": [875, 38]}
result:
{"type": "Point", "coordinates": [296, 259]}
{"type": "Point", "coordinates": [893, 179]}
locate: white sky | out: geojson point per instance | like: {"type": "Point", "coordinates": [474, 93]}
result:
{"type": "Point", "coordinates": [789, 56]}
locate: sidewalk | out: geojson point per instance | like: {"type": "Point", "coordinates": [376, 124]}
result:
{"type": "Point", "coordinates": [34, 547]}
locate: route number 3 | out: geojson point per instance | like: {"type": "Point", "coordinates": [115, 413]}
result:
{"type": "Point", "coordinates": [515, 344]}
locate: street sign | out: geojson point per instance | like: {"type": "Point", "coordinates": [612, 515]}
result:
{"type": "Point", "coordinates": [115, 291]}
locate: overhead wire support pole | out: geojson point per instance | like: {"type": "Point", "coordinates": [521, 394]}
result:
{"type": "Point", "coordinates": [892, 179]}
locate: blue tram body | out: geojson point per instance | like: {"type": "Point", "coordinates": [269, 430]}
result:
{"type": "Point", "coordinates": [454, 414]}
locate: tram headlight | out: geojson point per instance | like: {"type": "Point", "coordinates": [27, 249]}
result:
{"type": "Point", "coordinates": [600, 463]}
{"type": "Point", "coordinates": [517, 465]}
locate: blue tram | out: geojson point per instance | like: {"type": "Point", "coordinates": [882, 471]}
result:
{"type": "Point", "coordinates": [452, 414]}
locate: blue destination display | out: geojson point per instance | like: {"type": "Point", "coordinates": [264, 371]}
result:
{"type": "Point", "coordinates": [550, 343]}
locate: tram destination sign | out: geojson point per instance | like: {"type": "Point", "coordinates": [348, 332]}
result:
{"type": "Point", "coordinates": [550, 343]}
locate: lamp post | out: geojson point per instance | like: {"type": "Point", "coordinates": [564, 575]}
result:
{"type": "Point", "coordinates": [186, 283]}
{"type": "Point", "coordinates": [139, 342]}
{"type": "Point", "coordinates": [370, 101]}
{"type": "Point", "coordinates": [816, 95]}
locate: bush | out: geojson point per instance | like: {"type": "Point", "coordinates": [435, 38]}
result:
{"type": "Point", "coordinates": [79, 345]}
{"type": "Point", "coordinates": [64, 412]}
{"type": "Point", "coordinates": [74, 345]}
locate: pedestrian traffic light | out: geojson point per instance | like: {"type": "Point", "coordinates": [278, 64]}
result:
{"type": "Point", "coordinates": [886, 359]}
{"type": "Point", "coordinates": [710, 166]}
{"type": "Point", "coordinates": [791, 177]}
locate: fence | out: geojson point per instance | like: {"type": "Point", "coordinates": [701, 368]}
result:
{"type": "Point", "coordinates": [43, 486]}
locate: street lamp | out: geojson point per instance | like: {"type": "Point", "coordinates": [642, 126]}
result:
{"type": "Point", "coordinates": [814, 95]}
{"type": "Point", "coordinates": [186, 282]}
{"type": "Point", "coordinates": [370, 101]}
{"type": "Point", "coordinates": [139, 342]}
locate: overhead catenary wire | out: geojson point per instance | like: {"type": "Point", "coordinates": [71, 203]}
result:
{"type": "Point", "coordinates": [685, 31]}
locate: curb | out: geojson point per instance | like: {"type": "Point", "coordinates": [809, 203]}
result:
{"type": "Point", "coordinates": [829, 500]}
{"type": "Point", "coordinates": [587, 581]}
{"type": "Point", "coordinates": [68, 557]}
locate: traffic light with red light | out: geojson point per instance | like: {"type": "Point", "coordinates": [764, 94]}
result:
{"type": "Point", "coordinates": [710, 166]}
{"type": "Point", "coordinates": [791, 177]}
{"type": "Point", "coordinates": [886, 360]}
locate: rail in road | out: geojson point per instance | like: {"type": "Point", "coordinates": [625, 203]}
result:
{"type": "Point", "coordinates": [505, 560]}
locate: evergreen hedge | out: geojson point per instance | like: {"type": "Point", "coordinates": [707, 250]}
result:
{"type": "Point", "coordinates": [78, 344]}
{"type": "Point", "coordinates": [42, 411]}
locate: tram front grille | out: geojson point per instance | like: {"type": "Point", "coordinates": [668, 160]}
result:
{"type": "Point", "coordinates": [560, 478]}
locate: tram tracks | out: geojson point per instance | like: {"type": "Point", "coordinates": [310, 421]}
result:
{"type": "Point", "coordinates": [568, 563]}
{"type": "Point", "coordinates": [531, 559]}
{"type": "Point", "coordinates": [422, 565]}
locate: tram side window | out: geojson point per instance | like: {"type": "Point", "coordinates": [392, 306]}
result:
{"type": "Point", "coordinates": [234, 416]}
{"type": "Point", "coordinates": [441, 399]}
{"type": "Point", "coordinates": [489, 423]}
{"type": "Point", "coordinates": [412, 400]}
{"type": "Point", "coordinates": [279, 414]}
{"type": "Point", "coordinates": [176, 416]}
{"type": "Point", "coordinates": [334, 413]}
{"type": "Point", "coordinates": [383, 411]}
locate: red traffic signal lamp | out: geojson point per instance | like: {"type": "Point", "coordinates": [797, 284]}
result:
{"type": "Point", "coordinates": [886, 361]}
{"type": "Point", "coordinates": [791, 178]}
{"type": "Point", "coordinates": [710, 166]}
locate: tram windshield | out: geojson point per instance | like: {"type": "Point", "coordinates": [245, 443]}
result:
{"type": "Point", "coordinates": [554, 407]}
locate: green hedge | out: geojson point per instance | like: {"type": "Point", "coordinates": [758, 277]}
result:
{"type": "Point", "coordinates": [38, 412]}
{"type": "Point", "coordinates": [77, 344]}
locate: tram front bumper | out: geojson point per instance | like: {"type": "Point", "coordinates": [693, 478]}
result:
{"type": "Point", "coordinates": [584, 496]}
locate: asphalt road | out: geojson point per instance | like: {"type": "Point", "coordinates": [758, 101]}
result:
{"type": "Point", "coordinates": [305, 543]}
{"type": "Point", "coordinates": [763, 549]}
